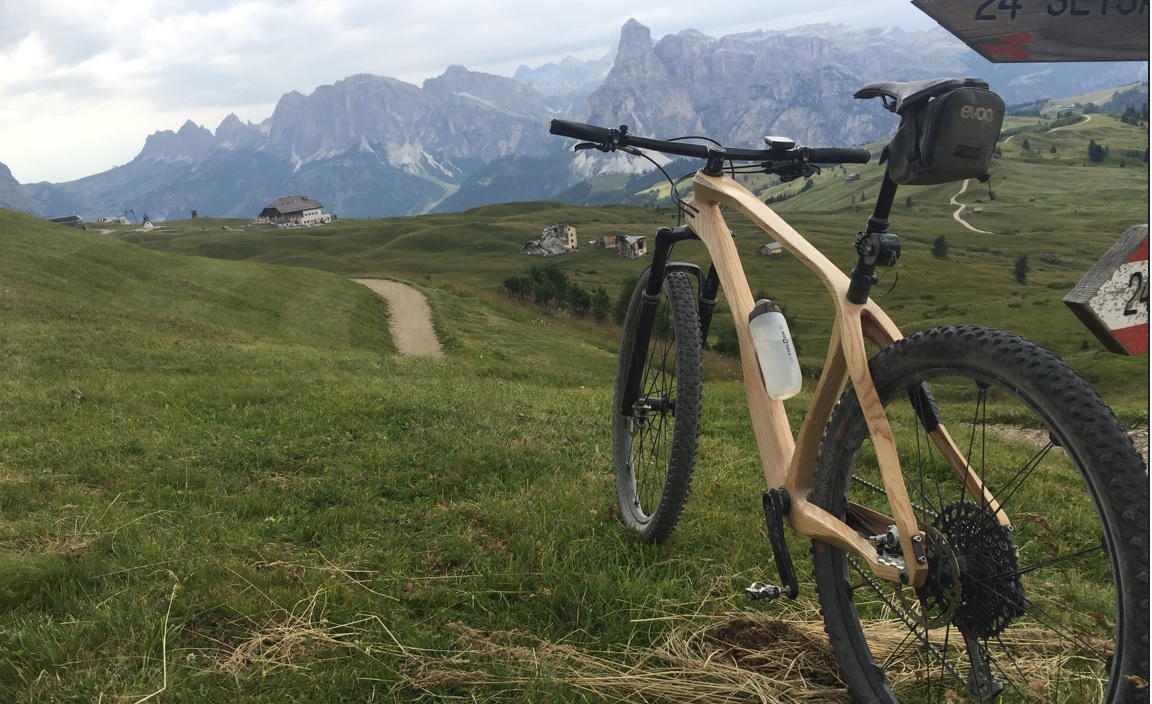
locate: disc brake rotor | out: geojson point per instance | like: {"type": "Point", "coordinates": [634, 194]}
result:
{"type": "Point", "coordinates": [938, 600]}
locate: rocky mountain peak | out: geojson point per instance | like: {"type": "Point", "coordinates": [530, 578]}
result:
{"type": "Point", "coordinates": [459, 81]}
{"type": "Point", "coordinates": [371, 145]}
{"type": "Point", "coordinates": [635, 38]}
{"type": "Point", "coordinates": [12, 196]}
{"type": "Point", "coordinates": [634, 57]}
{"type": "Point", "coordinates": [234, 134]}
{"type": "Point", "coordinates": [569, 78]}
{"type": "Point", "coordinates": [191, 143]}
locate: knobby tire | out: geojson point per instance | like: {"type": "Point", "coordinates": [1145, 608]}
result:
{"type": "Point", "coordinates": [654, 447]}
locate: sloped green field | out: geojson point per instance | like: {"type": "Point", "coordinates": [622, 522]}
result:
{"type": "Point", "coordinates": [219, 482]}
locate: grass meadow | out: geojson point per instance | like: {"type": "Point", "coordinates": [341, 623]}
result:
{"type": "Point", "coordinates": [219, 482]}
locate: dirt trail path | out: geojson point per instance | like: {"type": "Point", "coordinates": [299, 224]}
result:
{"type": "Point", "coordinates": [956, 215]}
{"type": "Point", "coordinates": [409, 317]}
{"type": "Point", "coordinates": [1039, 438]}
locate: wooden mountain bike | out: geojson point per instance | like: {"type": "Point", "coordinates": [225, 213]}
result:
{"type": "Point", "coordinates": [950, 557]}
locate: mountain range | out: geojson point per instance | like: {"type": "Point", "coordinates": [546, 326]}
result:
{"type": "Point", "coordinates": [370, 146]}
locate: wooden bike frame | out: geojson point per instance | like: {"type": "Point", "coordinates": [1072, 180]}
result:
{"type": "Point", "coordinates": [791, 462]}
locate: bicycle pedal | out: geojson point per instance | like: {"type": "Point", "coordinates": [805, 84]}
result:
{"type": "Point", "coordinates": [759, 591]}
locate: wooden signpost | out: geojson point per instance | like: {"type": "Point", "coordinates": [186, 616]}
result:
{"type": "Point", "coordinates": [1013, 31]}
{"type": "Point", "coordinates": [1112, 298]}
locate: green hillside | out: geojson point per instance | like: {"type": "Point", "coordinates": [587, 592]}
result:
{"type": "Point", "coordinates": [1059, 209]}
{"type": "Point", "coordinates": [198, 456]}
{"type": "Point", "coordinates": [218, 482]}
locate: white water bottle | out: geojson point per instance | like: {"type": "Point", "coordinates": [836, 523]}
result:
{"type": "Point", "coordinates": [779, 366]}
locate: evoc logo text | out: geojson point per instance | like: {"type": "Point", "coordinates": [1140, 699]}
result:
{"type": "Point", "coordinates": [971, 112]}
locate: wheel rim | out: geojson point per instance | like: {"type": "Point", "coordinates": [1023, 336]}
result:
{"type": "Point", "coordinates": [1041, 625]}
{"type": "Point", "coordinates": [651, 426]}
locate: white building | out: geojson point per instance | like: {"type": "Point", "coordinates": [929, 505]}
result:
{"type": "Point", "coordinates": [295, 210]}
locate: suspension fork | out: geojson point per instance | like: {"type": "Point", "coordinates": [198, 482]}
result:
{"type": "Point", "coordinates": [709, 290]}
{"type": "Point", "coordinates": [666, 238]}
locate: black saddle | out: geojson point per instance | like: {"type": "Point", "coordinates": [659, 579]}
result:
{"type": "Point", "coordinates": [898, 96]}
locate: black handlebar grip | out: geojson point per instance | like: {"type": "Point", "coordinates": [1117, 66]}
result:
{"type": "Point", "coordinates": [837, 155]}
{"type": "Point", "coordinates": [579, 130]}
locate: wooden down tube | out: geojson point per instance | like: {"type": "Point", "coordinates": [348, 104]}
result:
{"type": "Point", "coordinates": [789, 462]}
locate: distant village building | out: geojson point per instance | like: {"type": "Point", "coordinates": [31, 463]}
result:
{"type": "Point", "coordinates": [294, 210]}
{"type": "Point", "coordinates": [852, 177]}
{"type": "Point", "coordinates": [772, 249]}
{"type": "Point", "coordinates": [563, 233]}
{"type": "Point", "coordinates": [631, 247]}
{"type": "Point", "coordinates": [606, 242]}
{"type": "Point", "coordinates": [70, 221]}
{"type": "Point", "coordinates": [558, 238]}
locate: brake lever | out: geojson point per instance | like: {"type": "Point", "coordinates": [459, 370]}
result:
{"type": "Point", "coordinates": [608, 148]}
{"type": "Point", "coordinates": [806, 170]}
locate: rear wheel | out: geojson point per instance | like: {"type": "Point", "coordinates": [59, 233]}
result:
{"type": "Point", "coordinates": [654, 437]}
{"type": "Point", "coordinates": [1054, 609]}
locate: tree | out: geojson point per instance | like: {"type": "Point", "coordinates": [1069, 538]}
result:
{"type": "Point", "coordinates": [940, 247]}
{"type": "Point", "coordinates": [1052, 149]}
{"type": "Point", "coordinates": [1096, 153]}
{"type": "Point", "coordinates": [519, 287]}
{"type": "Point", "coordinates": [1021, 269]}
{"type": "Point", "coordinates": [908, 202]}
{"type": "Point", "coordinates": [1025, 146]}
{"type": "Point", "coordinates": [601, 303]}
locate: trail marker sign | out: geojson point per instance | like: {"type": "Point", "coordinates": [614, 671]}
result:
{"type": "Point", "coordinates": [1017, 31]}
{"type": "Point", "coordinates": [1112, 298]}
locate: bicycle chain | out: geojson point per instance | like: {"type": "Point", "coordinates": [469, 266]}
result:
{"type": "Point", "coordinates": [884, 492]}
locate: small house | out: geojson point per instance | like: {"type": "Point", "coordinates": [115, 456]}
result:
{"type": "Point", "coordinates": [772, 249]}
{"type": "Point", "coordinates": [294, 210]}
{"type": "Point", "coordinates": [631, 247]}
{"type": "Point", "coordinates": [852, 177]}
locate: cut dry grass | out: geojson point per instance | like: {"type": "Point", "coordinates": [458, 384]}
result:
{"type": "Point", "coordinates": [735, 658]}
{"type": "Point", "coordinates": [289, 639]}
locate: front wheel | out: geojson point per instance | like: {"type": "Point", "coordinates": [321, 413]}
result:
{"type": "Point", "coordinates": [1053, 608]}
{"type": "Point", "coordinates": [654, 432]}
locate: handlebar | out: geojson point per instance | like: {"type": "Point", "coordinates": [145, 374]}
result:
{"type": "Point", "coordinates": [612, 139]}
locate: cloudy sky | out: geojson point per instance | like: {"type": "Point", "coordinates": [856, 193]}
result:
{"type": "Point", "coordinates": [84, 82]}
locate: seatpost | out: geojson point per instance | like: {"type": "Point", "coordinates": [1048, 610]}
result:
{"type": "Point", "coordinates": [874, 244]}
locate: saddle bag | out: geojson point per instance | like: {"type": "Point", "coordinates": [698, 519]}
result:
{"type": "Point", "coordinates": [950, 137]}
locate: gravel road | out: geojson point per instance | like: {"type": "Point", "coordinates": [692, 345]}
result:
{"type": "Point", "coordinates": [409, 317]}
